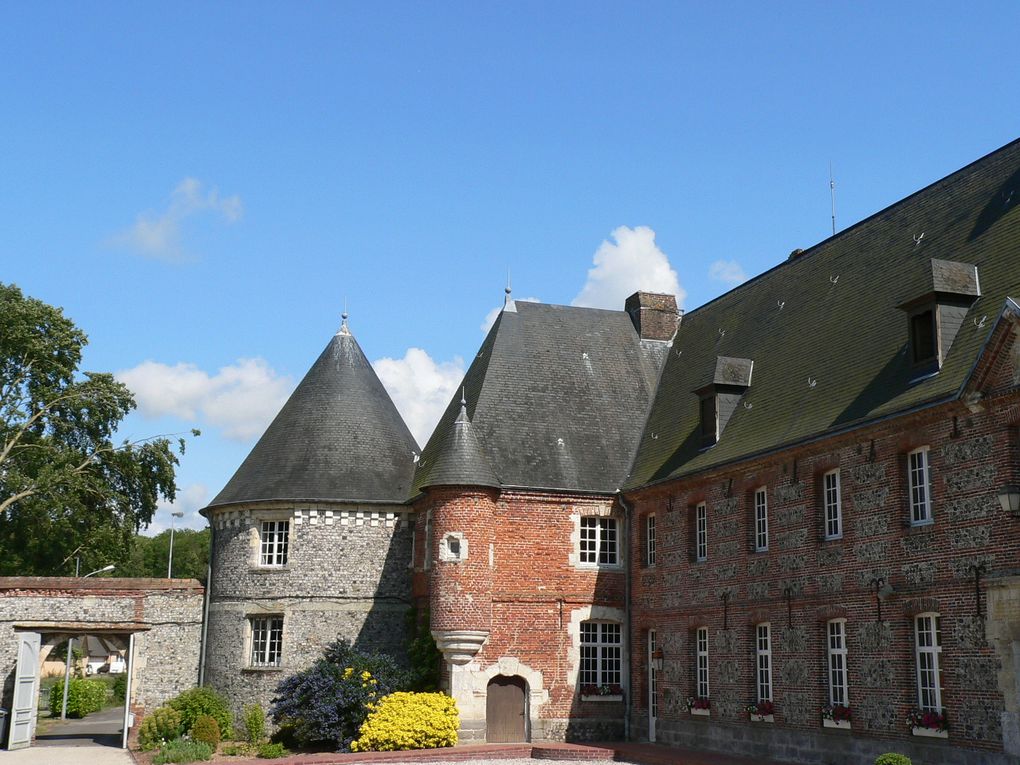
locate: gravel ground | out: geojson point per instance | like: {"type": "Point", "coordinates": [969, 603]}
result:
{"type": "Point", "coordinates": [525, 761]}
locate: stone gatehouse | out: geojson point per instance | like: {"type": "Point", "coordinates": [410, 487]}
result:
{"type": "Point", "coordinates": [160, 620]}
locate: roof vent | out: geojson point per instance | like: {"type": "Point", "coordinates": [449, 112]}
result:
{"type": "Point", "coordinates": [654, 314]}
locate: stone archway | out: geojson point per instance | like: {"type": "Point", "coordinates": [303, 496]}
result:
{"type": "Point", "coordinates": [469, 685]}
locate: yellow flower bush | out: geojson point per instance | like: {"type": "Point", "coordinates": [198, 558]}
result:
{"type": "Point", "coordinates": [409, 721]}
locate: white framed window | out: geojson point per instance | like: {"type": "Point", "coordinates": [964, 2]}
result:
{"type": "Point", "coordinates": [427, 541]}
{"type": "Point", "coordinates": [701, 532]}
{"type": "Point", "coordinates": [928, 650]}
{"type": "Point", "coordinates": [919, 480]}
{"type": "Point", "coordinates": [601, 654]}
{"type": "Point", "coordinates": [275, 540]}
{"type": "Point", "coordinates": [266, 641]}
{"type": "Point", "coordinates": [763, 655]}
{"type": "Point", "coordinates": [701, 663]}
{"type": "Point", "coordinates": [761, 520]}
{"type": "Point", "coordinates": [599, 541]}
{"type": "Point", "coordinates": [833, 501]}
{"type": "Point", "coordinates": [838, 692]}
{"type": "Point", "coordinates": [650, 540]}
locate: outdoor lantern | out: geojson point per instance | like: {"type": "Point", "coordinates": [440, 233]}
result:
{"type": "Point", "coordinates": [1009, 498]}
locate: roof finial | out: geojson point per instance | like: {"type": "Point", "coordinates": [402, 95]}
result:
{"type": "Point", "coordinates": [344, 329]}
{"type": "Point", "coordinates": [508, 302]}
{"type": "Point", "coordinates": [463, 416]}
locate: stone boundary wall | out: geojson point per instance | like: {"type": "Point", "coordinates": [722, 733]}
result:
{"type": "Point", "coordinates": [165, 616]}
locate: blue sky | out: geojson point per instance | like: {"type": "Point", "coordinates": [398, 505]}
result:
{"type": "Point", "coordinates": [201, 186]}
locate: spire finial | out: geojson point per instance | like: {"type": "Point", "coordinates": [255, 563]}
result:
{"type": "Point", "coordinates": [463, 416]}
{"type": "Point", "coordinates": [463, 395]}
{"type": "Point", "coordinates": [508, 302]}
{"type": "Point", "coordinates": [344, 329]}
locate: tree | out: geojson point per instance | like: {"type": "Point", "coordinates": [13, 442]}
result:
{"type": "Point", "coordinates": [64, 483]}
{"type": "Point", "coordinates": [149, 555]}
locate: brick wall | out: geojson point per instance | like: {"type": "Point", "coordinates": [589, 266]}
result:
{"type": "Point", "coordinates": [972, 454]}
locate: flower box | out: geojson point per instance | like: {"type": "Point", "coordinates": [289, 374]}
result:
{"type": "Point", "coordinates": [600, 697]}
{"type": "Point", "coordinates": [928, 723]}
{"type": "Point", "coordinates": [842, 724]}
{"type": "Point", "coordinates": [702, 712]}
{"type": "Point", "coordinates": [761, 711]}
{"type": "Point", "coordinates": [929, 732]}
{"type": "Point", "coordinates": [605, 692]}
{"type": "Point", "coordinates": [762, 718]}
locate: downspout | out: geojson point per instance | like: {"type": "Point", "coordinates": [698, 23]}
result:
{"type": "Point", "coordinates": [205, 606]}
{"type": "Point", "coordinates": [627, 697]}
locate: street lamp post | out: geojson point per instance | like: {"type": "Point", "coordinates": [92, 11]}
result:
{"type": "Point", "coordinates": [170, 560]}
{"type": "Point", "coordinates": [70, 649]}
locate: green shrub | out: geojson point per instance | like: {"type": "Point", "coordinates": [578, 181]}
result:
{"type": "Point", "coordinates": [83, 697]}
{"type": "Point", "coordinates": [325, 704]}
{"type": "Point", "coordinates": [158, 727]}
{"type": "Point", "coordinates": [891, 758]}
{"type": "Point", "coordinates": [409, 721]}
{"type": "Point", "coordinates": [272, 751]}
{"type": "Point", "coordinates": [120, 688]}
{"type": "Point", "coordinates": [239, 749]}
{"type": "Point", "coordinates": [203, 701]}
{"type": "Point", "coordinates": [183, 750]}
{"type": "Point", "coordinates": [254, 723]}
{"type": "Point", "coordinates": [206, 729]}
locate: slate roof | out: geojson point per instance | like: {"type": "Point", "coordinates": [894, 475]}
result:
{"type": "Point", "coordinates": [339, 437]}
{"type": "Point", "coordinates": [460, 460]}
{"type": "Point", "coordinates": [557, 396]}
{"type": "Point", "coordinates": [829, 345]}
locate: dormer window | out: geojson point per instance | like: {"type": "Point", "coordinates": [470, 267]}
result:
{"type": "Point", "coordinates": [718, 399]}
{"type": "Point", "coordinates": [709, 420]}
{"type": "Point", "coordinates": [923, 342]}
{"type": "Point", "coordinates": [935, 315]}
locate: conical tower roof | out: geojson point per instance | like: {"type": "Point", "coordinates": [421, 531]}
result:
{"type": "Point", "coordinates": [338, 438]}
{"type": "Point", "coordinates": [460, 460]}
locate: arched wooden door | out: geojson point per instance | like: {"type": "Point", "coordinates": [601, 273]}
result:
{"type": "Point", "coordinates": [505, 710]}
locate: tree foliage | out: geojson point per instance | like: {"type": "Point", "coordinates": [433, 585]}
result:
{"type": "Point", "coordinates": [64, 483]}
{"type": "Point", "coordinates": [149, 555]}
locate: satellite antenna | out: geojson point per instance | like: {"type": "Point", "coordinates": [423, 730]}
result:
{"type": "Point", "coordinates": [832, 196]}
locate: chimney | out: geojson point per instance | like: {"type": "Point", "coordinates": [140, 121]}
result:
{"type": "Point", "coordinates": [655, 316]}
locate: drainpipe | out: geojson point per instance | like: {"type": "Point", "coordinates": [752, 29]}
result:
{"type": "Point", "coordinates": [627, 697]}
{"type": "Point", "coordinates": [205, 606]}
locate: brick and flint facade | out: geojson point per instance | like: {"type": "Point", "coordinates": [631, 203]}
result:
{"type": "Point", "coordinates": [636, 523]}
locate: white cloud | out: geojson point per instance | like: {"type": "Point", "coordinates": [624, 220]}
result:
{"type": "Point", "coordinates": [420, 387]}
{"type": "Point", "coordinates": [490, 317]}
{"type": "Point", "coordinates": [189, 501]}
{"type": "Point", "coordinates": [241, 398]}
{"type": "Point", "coordinates": [158, 235]}
{"type": "Point", "coordinates": [630, 263]}
{"type": "Point", "coordinates": [728, 272]}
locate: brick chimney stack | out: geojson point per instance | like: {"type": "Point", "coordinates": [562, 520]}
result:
{"type": "Point", "coordinates": [654, 314]}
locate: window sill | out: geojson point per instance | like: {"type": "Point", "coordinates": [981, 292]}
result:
{"type": "Point", "coordinates": [599, 567]}
{"type": "Point", "coordinates": [841, 724]}
{"type": "Point", "coordinates": [262, 669]}
{"type": "Point", "coordinates": [701, 712]}
{"type": "Point", "coordinates": [763, 718]}
{"type": "Point", "coordinates": [837, 538]}
{"type": "Point", "coordinates": [922, 524]}
{"type": "Point", "coordinates": [596, 697]}
{"type": "Point", "coordinates": [929, 732]}
{"type": "Point", "coordinates": [266, 569]}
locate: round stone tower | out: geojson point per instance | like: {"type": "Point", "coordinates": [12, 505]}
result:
{"type": "Point", "coordinates": [311, 538]}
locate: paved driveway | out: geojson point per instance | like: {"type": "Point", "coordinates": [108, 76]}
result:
{"type": "Point", "coordinates": [89, 754]}
{"type": "Point", "coordinates": [93, 740]}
